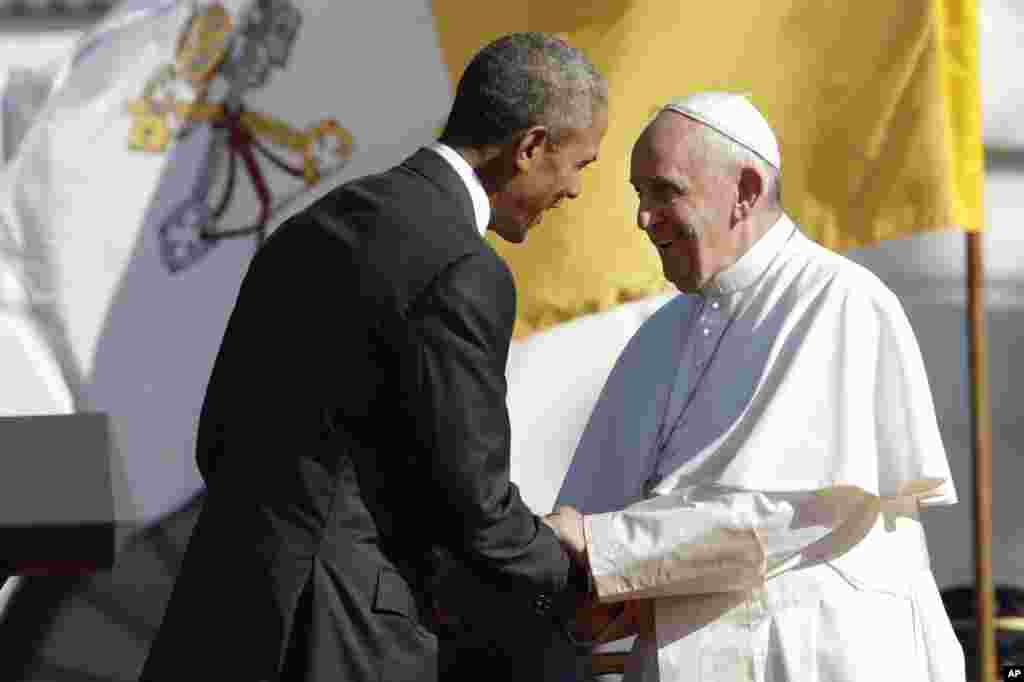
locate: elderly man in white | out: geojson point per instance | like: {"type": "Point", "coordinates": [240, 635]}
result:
{"type": "Point", "coordinates": [751, 476]}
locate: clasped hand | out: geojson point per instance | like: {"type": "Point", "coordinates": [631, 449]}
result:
{"type": "Point", "coordinates": [594, 621]}
{"type": "Point", "coordinates": [567, 523]}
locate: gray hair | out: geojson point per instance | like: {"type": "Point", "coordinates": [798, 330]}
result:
{"type": "Point", "coordinates": [524, 80]}
{"type": "Point", "coordinates": [715, 149]}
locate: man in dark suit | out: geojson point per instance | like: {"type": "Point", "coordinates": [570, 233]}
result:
{"type": "Point", "coordinates": [355, 424]}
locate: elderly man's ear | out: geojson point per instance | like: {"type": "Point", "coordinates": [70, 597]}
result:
{"type": "Point", "coordinates": [749, 190]}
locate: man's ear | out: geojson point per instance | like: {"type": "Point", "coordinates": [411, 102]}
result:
{"type": "Point", "coordinates": [750, 188]}
{"type": "Point", "coordinates": [528, 145]}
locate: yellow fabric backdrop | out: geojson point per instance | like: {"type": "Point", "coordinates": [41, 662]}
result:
{"type": "Point", "coordinates": [875, 104]}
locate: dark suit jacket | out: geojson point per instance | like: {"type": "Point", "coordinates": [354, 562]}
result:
{"type": "Point", "coordinates": [355, 418]}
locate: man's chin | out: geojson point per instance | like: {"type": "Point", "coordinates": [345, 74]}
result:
{"type": "Point", "coordinates": [524, 229]}
{"type": "Point", "coordinates": [689, 287]}
{"type": "Point", "coordinates": [520, 230]}
{"type": "Point", "coordinates": [514, 234]}
{"type": "Point", "coordinates": [685, 285]}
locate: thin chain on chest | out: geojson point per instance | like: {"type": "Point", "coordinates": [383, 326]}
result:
{"type": "Point", "coordinates": [699, 371]}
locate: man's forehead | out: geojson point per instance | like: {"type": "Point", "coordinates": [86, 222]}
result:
{"type": "Point", "coordinates": [669, 127]}
{"type": "Point", "coordinates": [669, 138]}
{"type": "Point", "coordinates": [657, 160]}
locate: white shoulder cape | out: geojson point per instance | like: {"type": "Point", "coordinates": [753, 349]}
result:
{"type": "Point", "coordinates": [818, 383]}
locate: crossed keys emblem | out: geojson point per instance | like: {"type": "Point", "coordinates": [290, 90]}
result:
{"type": "Point", "coordinates": [214, 66]}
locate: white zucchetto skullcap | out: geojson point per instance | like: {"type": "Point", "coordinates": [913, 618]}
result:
{"type": "Point", "coordinates": [735, 117]}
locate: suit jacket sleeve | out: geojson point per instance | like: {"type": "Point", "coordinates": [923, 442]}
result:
{"type": "Point", "coordinates": [461, 329]}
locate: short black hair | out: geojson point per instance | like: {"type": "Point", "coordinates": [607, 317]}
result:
{"type": "Point", "coordinates": [523, 80]}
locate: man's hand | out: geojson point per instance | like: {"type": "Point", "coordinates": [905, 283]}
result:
{"type": "Point", "coordinates": [568, 526]}
{"type": "Point", "coordinates": [608, 622]}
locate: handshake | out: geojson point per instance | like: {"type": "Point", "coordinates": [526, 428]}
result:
{"type": "Point", "coordinates": [462, 599]}
{"type": "Point", "coordinates": [567, 523]}
{"type": "Point", "coordinates": [595, 622]}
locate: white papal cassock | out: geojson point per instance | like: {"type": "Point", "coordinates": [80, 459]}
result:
{"type": "Point", "coordinates": [756, 462]}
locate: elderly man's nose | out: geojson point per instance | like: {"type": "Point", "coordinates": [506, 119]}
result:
{"type": "Point", "coordinates": [575, 188]}
{"type": "Point", "coordinates": [643, 219]}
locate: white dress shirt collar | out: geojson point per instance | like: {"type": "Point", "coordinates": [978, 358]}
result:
{"type": "Point", "coordinates": [481, 204]}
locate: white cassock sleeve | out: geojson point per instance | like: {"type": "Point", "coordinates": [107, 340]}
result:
{"type": "Point", "coordinates": [701, 540]}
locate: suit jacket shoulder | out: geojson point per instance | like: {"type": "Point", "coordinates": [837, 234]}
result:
{"type": "Point", "coordinates": [409, 224]}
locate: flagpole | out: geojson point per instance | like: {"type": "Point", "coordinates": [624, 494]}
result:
{"type": "Point", "coordinates": [981, 440]}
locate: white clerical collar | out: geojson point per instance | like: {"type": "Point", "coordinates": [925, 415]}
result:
{"type": "Point", "coordinates": [749, 268]}
{"type": "Point", "coordinates": [481, 204]}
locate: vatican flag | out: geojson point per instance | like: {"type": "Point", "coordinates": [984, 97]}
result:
{"type": "Point", "coordinates": [140, 172]}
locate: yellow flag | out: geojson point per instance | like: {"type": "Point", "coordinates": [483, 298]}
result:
{"type": "Point", "coordinates": [875, 104]}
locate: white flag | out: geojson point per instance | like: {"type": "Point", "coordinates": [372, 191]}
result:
{"type": "Point", "coordinates": [114, 297]}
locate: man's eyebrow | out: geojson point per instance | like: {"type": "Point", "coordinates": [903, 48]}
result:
{"type": "Point", "coordinates": [661, 182]}
{"type": "Point", "coordinates": [675, 183]}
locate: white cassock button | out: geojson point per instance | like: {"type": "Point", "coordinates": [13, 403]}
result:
{"type": "Point", "coordinates": [714, 305]}
{"type": "Point", "coordinates": [707, 332]}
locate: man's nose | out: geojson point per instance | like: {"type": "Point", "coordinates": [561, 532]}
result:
{"type": "Point", "coordinates": [643, 218]}
{"type": "Point", "coordinates": [575, 188]}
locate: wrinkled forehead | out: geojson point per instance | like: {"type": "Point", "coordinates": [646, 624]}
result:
{"type": "Point", "coordinates": [666, 146]}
